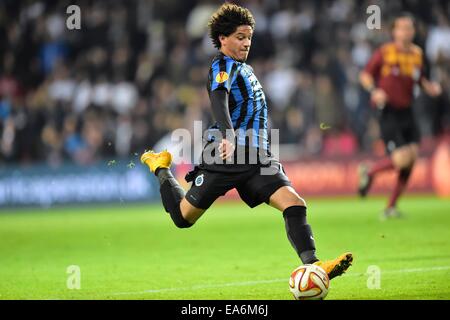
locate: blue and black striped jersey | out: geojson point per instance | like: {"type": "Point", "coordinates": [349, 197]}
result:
{"type": "Point", "coordinates": [247, 102]}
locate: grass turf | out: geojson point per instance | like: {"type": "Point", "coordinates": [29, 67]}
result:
{"type": "Point", "coordinates": [233, 252]}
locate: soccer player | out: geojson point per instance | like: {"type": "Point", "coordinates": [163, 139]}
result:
{"type": "Point", "coordinates": [390, 77]}
{"type": "Point", "coordinates": [239, 106]}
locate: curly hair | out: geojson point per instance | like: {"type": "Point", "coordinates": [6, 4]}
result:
{"type": "Point", "coordinates": [226, 20]}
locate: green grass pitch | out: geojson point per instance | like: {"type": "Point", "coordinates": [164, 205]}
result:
{"type": "Point", "coordinates": [233, 252]}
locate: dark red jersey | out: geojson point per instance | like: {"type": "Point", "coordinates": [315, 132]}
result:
{"type": "Point", "coordinates": [396, 71]}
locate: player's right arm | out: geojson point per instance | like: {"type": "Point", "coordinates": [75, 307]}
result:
{"type": "Point", "coordinates": [367, 79]}
{"type": "Point", "coordinates": [222, 75]}
{"type": "Point", "coordinates": [219, 105]}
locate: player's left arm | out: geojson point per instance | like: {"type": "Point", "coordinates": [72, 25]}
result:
{"type": "Point", "coordinates": [431, 88]}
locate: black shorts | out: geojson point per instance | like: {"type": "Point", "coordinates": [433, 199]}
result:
{"type": "Point", "coordinates": [254, 186]}
{"type": "Point", "coordinates": [398, 128]}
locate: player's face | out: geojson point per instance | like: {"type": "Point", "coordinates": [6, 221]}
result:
{"type": "Point", "coordinates": [403, 30]}
{"type": "Point", "coordinates": [237, 45]}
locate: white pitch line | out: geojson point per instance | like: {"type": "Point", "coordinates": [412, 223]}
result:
{"type": "Point", "coordinates": [256, 282]}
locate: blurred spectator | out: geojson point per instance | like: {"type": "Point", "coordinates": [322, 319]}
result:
{"type": "Point", "coordinates": [137, 70]}
{"type": "Point", "coordinates": [438, 41]}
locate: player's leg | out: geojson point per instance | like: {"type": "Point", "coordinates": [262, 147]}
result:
{"type": "Point", "coordinates": [404, 161]}
{"type": "Point", "coordinates": [189, 212]}
{"type": "Point", "coordinates": [183, 214]}
{"type": "Point", "coordinates": [389, 133]}
{"type": "Point", "coordinates": [403, 157]}
{"type": "Point", "coordinates": [275, 189]}
{"type": "Point", "coordinates": [367, 175]}
{"type": "Point", "coordinates": [272, 186]}
{"type": "Point", "coordinates": [300, 234]}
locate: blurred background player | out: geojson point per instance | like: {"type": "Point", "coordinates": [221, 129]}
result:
{"type": "Point", "coordinates": [240, 110]}
{"type": "Point", "coordinates": [390, 77]}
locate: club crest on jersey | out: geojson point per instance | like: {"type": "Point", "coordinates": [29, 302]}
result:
{"type": "Point", "coordinates": [221, 77]}
{"type": "Point", "coordinates": [199, 180]}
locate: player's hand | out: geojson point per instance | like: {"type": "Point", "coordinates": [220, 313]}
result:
{"type": "Point", "coordinates": [379, 98]}
{"type": "Point", "coordinates": [226, 149]}
{"type": "Point", "coordinates": [433, 89]}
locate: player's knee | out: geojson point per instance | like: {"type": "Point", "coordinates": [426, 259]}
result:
{"type": "Point", "coordinates": [180, 217]}
{"type": "Point", "coordinates": [405, 157]}
{"type": "Point", "coordinates": [401, 159]}
{"type": "Point", "coordinates": [183, 224]}
{"type": "Point", "coordinates": [179, 220]}
{"type": "Point", "coordinates": [403, 163]}
{"type": "Point", "coordinates": [190, 219]}
{"type": "Point", "coordinates": [189, 213]}
{"type": "Point", "coordinates": [409, 160]}
{"type": "Point", "coordinates": [414, 155]}
{"type": "Point", "coordinates": [294, 201]}
{"type": "Point", "coordinates": [300, 202]}
{"type": "Point", "coordinates": [286, 197]}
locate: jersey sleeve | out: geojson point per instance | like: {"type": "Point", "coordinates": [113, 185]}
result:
{"type": "Point", "coordinates": [373, 67]}
{"type": "Point", "coordinates": [223, 73]}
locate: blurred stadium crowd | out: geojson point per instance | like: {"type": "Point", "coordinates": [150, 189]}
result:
{"type": "Point", "coordinates": [137, 70]}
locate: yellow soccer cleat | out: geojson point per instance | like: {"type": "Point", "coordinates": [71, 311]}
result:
{"type": "Point", "coordinates": [156, 161]}
{"type": "Point", "coordinates": [337, 266]}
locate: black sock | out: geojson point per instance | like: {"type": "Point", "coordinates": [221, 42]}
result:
{"type": "Point", "coordinates": [404, 174]}
{"type": "Point", "coordinates": [172, 194]}
{"type": "Point", "coordinates": [300, 234]}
